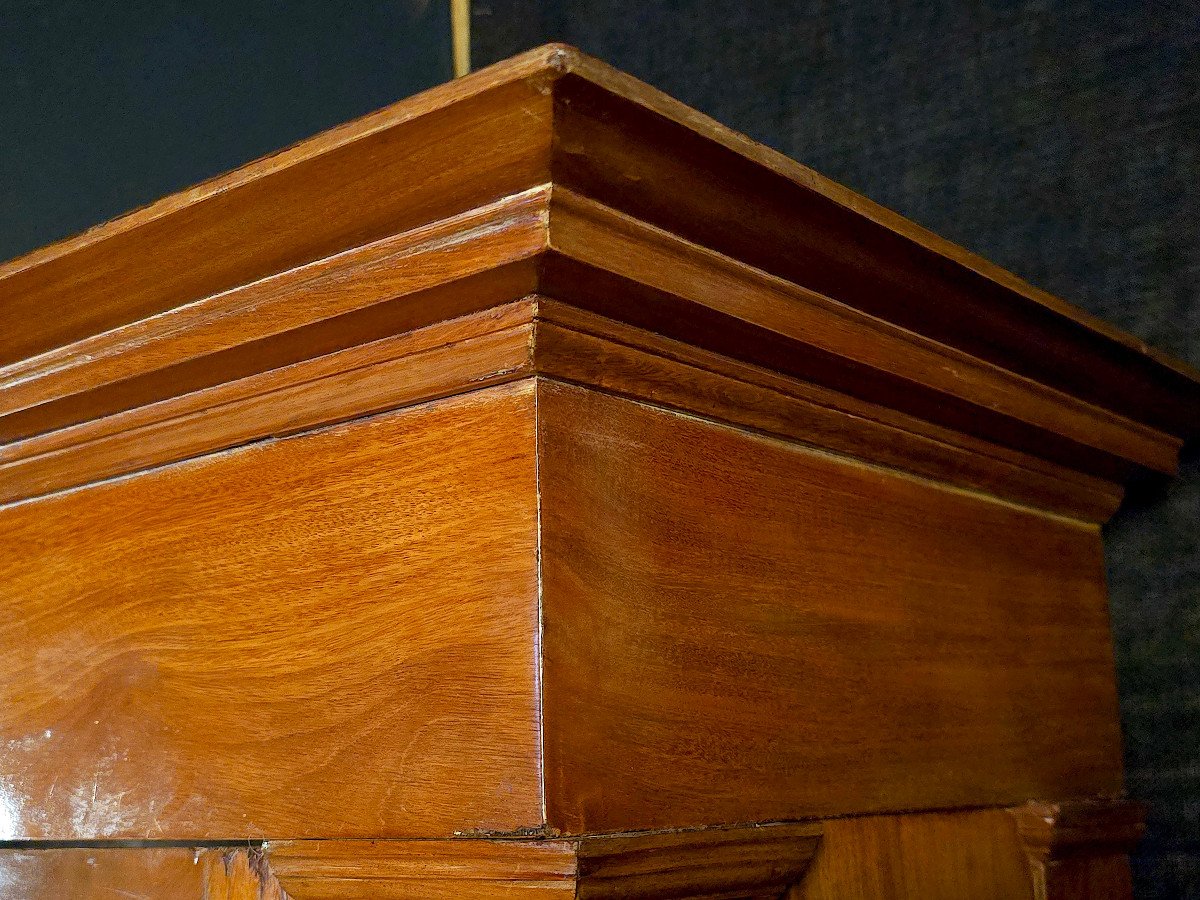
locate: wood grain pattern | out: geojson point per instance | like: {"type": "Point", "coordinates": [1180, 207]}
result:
{"type": "Point", "coordinates": [534, 335]}
{"type": "Point", "coordinates": [296, 639]}
{"type": "Point", "coordinates": [921, 856]}
{"type": "Point", "coordinates": [555, 114]}
{"type": "Point", "coordinates": [759, 862]}
{"type": "Point", "coordinates": [424, 870]}
{"type": "Point", "coordinates": [529, 487]}
{"type": "Point", "coordinates": [737, 629]}
{"type": "Point", "coordinates": [137, 873]}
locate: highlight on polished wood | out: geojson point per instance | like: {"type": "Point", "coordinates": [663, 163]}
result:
{"type": "Point", "coordinates": [1078, 848]}
{"type": "Point", "coordinates": [536, 488]}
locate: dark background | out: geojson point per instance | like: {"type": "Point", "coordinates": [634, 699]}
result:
{"type": "Point", "coordinates": [107, 105]}
{"type": "Point", "coordinates": [1059, 139]}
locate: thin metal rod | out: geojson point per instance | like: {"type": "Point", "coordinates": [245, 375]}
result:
{"type": "Point", "coordinates": [460, 29]}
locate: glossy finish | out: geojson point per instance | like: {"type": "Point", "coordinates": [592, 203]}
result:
{"type": "Point", "coordinates": [715, 862]}
{"type": "Point", "coordinates": [554, 114]}
{"type": "Point", "coordinates": [536, 488]}
{"type": "Point", "coordinates": [487, 348]}
{"type": "Point", "coordinates": [923, 856]}
{"type": "Point", "coordinates": [142, 873]}
{"type": "Point", "coordinates": [295, 640]}
{"type": "Point", "coordinates": [738, 628]}
{"type": "Point", "coordinates": [579, 183]}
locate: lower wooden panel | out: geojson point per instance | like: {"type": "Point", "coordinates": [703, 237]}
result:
{"type": "Point", "coordinates": [332, 635]}
{"type": "Point", "coordinates": [923, 856]}
{"type": "Point", "coordinates": [148, 873]}
{"type": "Point", "coordinates": [712, 863]}
{"type": "Point", "coordinates": [966, 855]}
{"type": "Point", "coordinates": [424, 870]}
{"type": "Point", "coordinates": [740, 629]}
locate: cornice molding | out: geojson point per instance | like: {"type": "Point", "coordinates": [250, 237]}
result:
{"type": "Point", "coordinates": [374, 253]}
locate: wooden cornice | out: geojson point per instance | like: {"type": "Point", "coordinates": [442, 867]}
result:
{"type": "Point", "coordinates": [551, 217]}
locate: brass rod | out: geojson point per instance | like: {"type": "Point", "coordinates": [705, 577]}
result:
{"type": "Point", "coordinates": [460, 29]}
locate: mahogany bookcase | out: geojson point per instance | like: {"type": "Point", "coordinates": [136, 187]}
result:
{"type": "Point", "coordinates": [536, 489]}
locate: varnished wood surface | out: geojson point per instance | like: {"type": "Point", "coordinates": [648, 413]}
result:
{"type": "Point", "coordinates": [759, 862]}
{"type": "Point", "coordinates": [136, 873]}
{"type": "Point", "coordinates": [297, 639]}
{"type": "Point", "coordinates": [583, 348]}
{"type": "Point", "coordinates": [333, 513]}
{"type": "Point", "coordinates": [420, 278]}
{"type": "Point", "coordinates": [677, 168]}
{"type": "Point", "coordinates": [1071, 827]}
{"type": "Point", "coordinates": [543, 336]}
{"type": "Point", "coordinates": [828, 342]}
{"type": "Point", "coordinates": [739, 629]}
{"type": "Point", "coordinates": [974, 854]}
{"type": "Point", "coordinates": [413, 367]}
{"type": "Point", "coordinates": [424, 870]}
{"type": "Point", "coordinates": [477, 260]}
{"type": "Point", "coordinates": [556, 115]}
{"type": "Point", "coordinates": [969, 855]}
{"type": "Point", "coordinates": [378, 176]}
{"type": "Point", "coordinates": [579, 183]}
{"type": "Point", "coordinates": [1079, 848]}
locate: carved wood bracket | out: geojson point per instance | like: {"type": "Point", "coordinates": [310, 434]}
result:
{"type": "Point", "coordinates": [754, 862]}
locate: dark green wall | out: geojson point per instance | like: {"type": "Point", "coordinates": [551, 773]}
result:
{"type": "Point", "coordinates": [106, 105]}
{"type": "Point", "coordinates": [1059, 139]}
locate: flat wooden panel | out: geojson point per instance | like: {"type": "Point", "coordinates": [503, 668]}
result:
{"type": "Point", "coordinates": [737, 629]}
{"type": "Point", "coordinates": [927, 856]}
{"type": "Point", "coordinates": [329, 635]}
{"type": "Point", "coordinates": [143, 873]}
{"type": "Point", "coordinates": [424, 870]}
